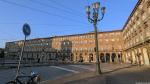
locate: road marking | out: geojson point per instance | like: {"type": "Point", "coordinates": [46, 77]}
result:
{"type": "Point", "coordinates": [83, 67]}
{"type": "Point", "coordinates": [89, 68]}
{"type": "Point", "coordinates": [106, 70]}
{"type": "Point", "coordinates": [65, 69]}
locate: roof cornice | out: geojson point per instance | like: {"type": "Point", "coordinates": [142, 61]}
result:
{"type": "Point", "coordinates": [135, 8]}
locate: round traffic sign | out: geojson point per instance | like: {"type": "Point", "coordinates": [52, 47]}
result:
{"type": "Point", "coordinates": [26, 29]}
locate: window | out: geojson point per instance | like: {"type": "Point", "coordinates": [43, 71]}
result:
{"type": "Point", "coordinates": [91, 36]}
{"type": "Point", "coordinates": [142, 12]}
{"type": "Point", "coordinates": [85, 53]}
{"type": "Point", "coordinates": [144, 16]}
{"type": "Point", "coordinates": [68, 43]}
{"type": "Point", "coordinates": [145, 25]}
{"type": "Point", "coordinates": [100, 35]}
{"type": "Point", "coordinates": [147, 33]}
{"type": "Point", "coordinates": [100, 40]}
{"type": "Point", "coordinates": [112, 34]}
{"type": "Point", "coordinates": [106, 35]}
{"type": "Point", "coordinates": [85, 42]}
{"type": "Point", "coordinates": [80, 42]}
{"type": "Point", "coordinates": [64, 43]}
{"type": "Point", "coordinates": [81, 49]}
{"type": "Point", "coordinates": [136, 13]}
{"type": "Point", "coordinates": [137, 18]}
{"type": "Point", "coordinates": [140, 7]}
{"type": "Point", "coordinates": [91, 49]}
{"type": "Point", "coordinates": [91, 42]}
{"type": "Point", "coordinates": [112, 39]}
{"type": "Point", "coordinates": [118, 39]}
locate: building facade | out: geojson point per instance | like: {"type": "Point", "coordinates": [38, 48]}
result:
{"type": "Point", "coordinates": [129, 45]}
{"type": "Point", "coordinates": [81, 47]}
{"type": "Point", "coordinates": [136, 34]}
{"type": "Point", "coordinates": [76, 48]}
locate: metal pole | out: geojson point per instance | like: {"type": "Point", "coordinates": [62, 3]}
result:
{"type": "Point", "coordinates": [18, 69]}
{"type": "Point", "coordinates": [96, 50]}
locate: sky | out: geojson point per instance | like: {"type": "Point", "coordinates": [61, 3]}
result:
{"type": "Point", "coordinates": [58, 17]}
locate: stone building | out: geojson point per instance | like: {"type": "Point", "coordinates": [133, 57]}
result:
{"type": "Point", "coordinates": [136, 34]}
{"type": "Point", "coordinates": [77, 48]}
{"type": "Point", "coordinates": [35, 50]}
{"type": "Point", "coordinates": [129, 45]}
{"type": "Point", "coordinates": [80, 47]}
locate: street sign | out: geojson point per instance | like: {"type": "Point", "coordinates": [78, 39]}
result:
{"type": "Point", "coordinates": [26, 29]}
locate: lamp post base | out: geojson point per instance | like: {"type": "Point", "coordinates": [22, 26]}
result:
{"type": "Point", "coordinates": [98, 70]}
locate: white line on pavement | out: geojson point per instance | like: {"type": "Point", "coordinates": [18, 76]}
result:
{"type": "Point", "coordinates": [83, 67]}
{"type": "Point", "coordinates": [89, 68]}
{"type": "Point", "coordinates": [65, 69]}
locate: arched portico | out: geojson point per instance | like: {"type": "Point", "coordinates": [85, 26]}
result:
{"type": "Point", "coordinates": [113, 57]}
{"type": "Point", "coordinates": [72, 57]}
{"type": "Point", "coordinates": [107, 57]}
{"type": "Point", "coordinates": [91, 57]}
{"type": "Point", "coordinates": [120, 57]}
{"type": "Point", "coordinates": [102, 58]}
{"type": "Point", "coordinates": [80, 57]}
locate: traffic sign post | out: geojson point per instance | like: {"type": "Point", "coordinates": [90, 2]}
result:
{"type": "Point", "coordinates": [26, 31]}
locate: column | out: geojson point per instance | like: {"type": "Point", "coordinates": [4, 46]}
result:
{"type": "Point", "coordinates": [141, 56]}
{"type": "Point", "coordinates": [94, 57]}
{"type": "Point", "coordinates": [146, 58]}
{"type": "Point", "coordinates": [123, 57]}
{"type": "Point", "coordinates": [148, 50]}
{"type": "Point", "coordinates": [105, 57]}
{"type": "Point", "coordinates": [134, 54]}
{"type": "Point", "coordinates": [127, 57]}
{"type": "Point", "coordinates": [138, 56]}
{"type": "Point", "coordinates": [74, 57]}
{"type": "Point", "coordinates": [117, 60]}
{"type": "Point", "coordinates": [85, 57]}
{"type": "Point", "coordinates": [110, 57]}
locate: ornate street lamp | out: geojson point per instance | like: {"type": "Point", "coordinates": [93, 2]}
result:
{"type": "Point", "coordinates": [94, 20]}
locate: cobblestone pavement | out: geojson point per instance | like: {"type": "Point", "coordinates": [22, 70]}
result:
{"type": "Point", "coordinates": [86, 71]}
{"type": "Point", "coordinates": [57, 72]}
{"type": "Point", "coordinates": [129, 75]}
{"type": "Point", "coordinates": [134, 75]}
